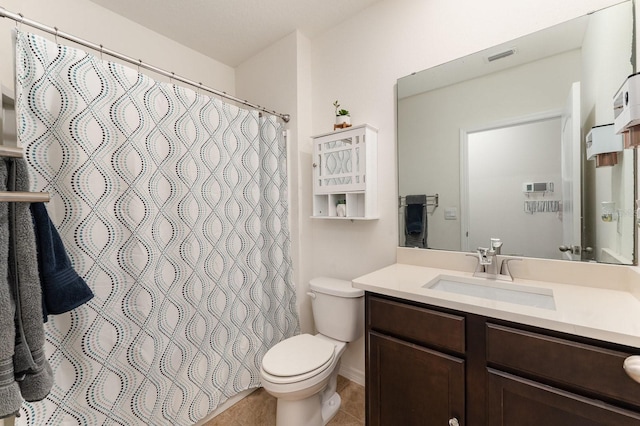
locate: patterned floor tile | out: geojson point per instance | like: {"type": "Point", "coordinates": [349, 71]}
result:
{"type": "Point", "coordinates": [353, 400]}
{"type": "Point", "coordinates": [344, 419]}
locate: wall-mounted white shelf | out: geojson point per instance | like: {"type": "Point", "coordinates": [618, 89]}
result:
{"type": "Point", "coordinates": [345, 170]}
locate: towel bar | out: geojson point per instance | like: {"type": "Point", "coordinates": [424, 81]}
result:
{"type": "Point", "coordinates": [435, 198]}
{"type": "Point", "coordinates": [9, 151]}
{"type": "Point", "coordinates": [19, 196]}
{"type": "Point", "coordinates": [27, 197]}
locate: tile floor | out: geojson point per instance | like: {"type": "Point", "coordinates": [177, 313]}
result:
{"type": "Point", "coordinates": [259, 408]}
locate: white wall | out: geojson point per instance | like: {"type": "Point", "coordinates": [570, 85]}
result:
{"type": "Point", "coordinates": [358, 63]}
{"type": "Point", "coordinates": [91, 22]}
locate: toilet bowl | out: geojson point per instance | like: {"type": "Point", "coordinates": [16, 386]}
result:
{"type": "Point", "coordinates": [302, 371]}
{"type": "Point", "coordinates": [303, 388]}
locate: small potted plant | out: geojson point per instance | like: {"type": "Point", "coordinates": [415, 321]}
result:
{"type": "Point", "coordinates": [342, 115]}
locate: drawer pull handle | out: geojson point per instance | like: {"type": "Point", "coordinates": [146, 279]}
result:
{"type": "Point", "coordinates": [631, 366]}
{"type": "Point", "coordinates": [454, 422]}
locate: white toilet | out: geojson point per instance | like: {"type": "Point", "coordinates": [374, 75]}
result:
{"type": "Point", "coordinates": [302, 371]}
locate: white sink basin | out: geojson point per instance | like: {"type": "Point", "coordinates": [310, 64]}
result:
{"type": "Point", "coordinates": [494, 290]}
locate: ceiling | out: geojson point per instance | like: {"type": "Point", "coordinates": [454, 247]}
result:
{"type": "Point", "coordinates": [231, 31]}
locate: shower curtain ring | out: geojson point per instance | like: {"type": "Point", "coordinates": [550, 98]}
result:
{"type": "Point", "coordinates": [173, 74]}
{"type": "Point", "coordinates": [101, 47]}
{"type": "Point", "coordinates": [139, 63]}
{"type": "Point", "coordinates": [20, 21]}
{"type": "Point", "coordinates": [56, 35]}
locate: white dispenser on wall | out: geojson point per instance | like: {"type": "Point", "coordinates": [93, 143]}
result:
{"type": "Point", "coordinates": [603, 144]}
{"type": "Point", "coordinates": [626, 104]}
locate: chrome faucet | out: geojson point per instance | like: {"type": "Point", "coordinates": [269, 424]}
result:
{"type": "Point", "coordinates": [496, 245]}
{"type": "Point", "coordinates": [484, 258]}
{"type": "Point", "coordinates": [489, 266]}
{"type": "Point", "coordinates": [488, 261]}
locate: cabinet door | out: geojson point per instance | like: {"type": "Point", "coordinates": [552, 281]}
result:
{"type": "Point", "coordinates": [339, 163]}
{"type": "Point", "coordinates": [514, 401]}
{"type": "Point", "coordinates": [411, 385]}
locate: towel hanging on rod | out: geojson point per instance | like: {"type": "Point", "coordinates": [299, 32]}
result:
{"type": "Point", "coordinates": [25, 371]}
{"type": "Point", "coordinates": [415, 221]}
{"type": "Point", "coordinates": [20, 196]}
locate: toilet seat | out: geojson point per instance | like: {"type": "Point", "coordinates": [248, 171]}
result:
{"type": "Point", "coordinates": [297, 358]}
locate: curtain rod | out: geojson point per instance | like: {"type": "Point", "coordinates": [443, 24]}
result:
{"type": "Point", "coordinates": [19, 18]}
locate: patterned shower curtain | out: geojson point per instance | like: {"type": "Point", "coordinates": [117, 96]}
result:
{"type": "Point", "coordinates": [172, 205]}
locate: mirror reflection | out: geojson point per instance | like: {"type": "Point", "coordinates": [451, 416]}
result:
{"type": "Point", "coordinates": [492, 145]}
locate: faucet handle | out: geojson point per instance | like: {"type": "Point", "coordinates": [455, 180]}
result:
{"type": "Point", "coordinates": [479, 266]}
{"type": "Point", "coordinates": [482, 255]}
{"type": "Point", "coordinates": [505, 266]}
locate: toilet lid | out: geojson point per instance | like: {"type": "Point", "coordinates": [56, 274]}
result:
{"type": "Point", "coordinates": [298, 355]}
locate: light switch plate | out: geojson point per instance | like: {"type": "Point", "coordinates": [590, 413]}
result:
{"type": "Point", "coordinates": [450, 213]}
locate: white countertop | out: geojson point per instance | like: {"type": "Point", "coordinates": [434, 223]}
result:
{"type": "Point", "coordinates": [607, 314]}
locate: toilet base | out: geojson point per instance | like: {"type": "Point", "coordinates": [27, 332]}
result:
{"type": "Point", "coordinates": [330, 408]}
{"type": "Point", "coordinates": [306, 412]}
{"type": "Point", "coordinates": [300, 412]}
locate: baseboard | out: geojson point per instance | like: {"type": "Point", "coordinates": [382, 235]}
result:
{"type": "Point", "coordinates": [224, 406]}
{"type": "Point", "coordinates": [352, 374]}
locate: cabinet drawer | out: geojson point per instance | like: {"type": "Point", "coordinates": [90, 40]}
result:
{"type": "Point", "coordinates": [591, 369]}
{"type": "Point", "coordinates": [514, 400]}
{"type": "Point", "coordinates": [420, 325]}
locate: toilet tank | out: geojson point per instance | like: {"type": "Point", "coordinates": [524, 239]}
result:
{"type": "Point", "coordinates": [338, 308]}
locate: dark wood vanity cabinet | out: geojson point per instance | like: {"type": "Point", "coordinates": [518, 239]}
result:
{"type": "Point", "coordinates": [413, 383]}
{"type": "Point", "coordinates": [432, 366]}
{"type": "Point", "coordinates": [415, 365]}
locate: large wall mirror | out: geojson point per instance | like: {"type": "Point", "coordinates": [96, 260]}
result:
{"type": "Point", "coordinates": [492, 145]}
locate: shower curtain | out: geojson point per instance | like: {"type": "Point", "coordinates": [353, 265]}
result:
{"type": "Point", "coordinates": [172, 206]}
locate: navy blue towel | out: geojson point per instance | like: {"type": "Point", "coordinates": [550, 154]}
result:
{"type": "Point", "coordinates": [414, 214]}
{"type": "Point", "coordinates": [62, 288]}
{"type": "Point", "coordinates": [414, 218]}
